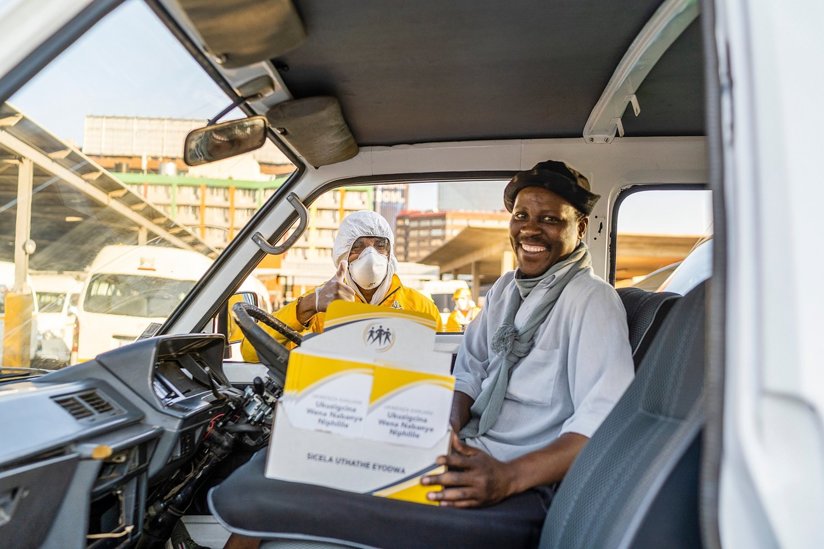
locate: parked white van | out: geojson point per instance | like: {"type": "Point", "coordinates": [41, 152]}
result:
{"type": "Point", "coordinates": [128, 288]}
{"type": "Point", "coordinates": [57, 299]}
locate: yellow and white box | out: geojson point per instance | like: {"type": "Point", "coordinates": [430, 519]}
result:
{"type": "Point", "coordinates": [365, 406]}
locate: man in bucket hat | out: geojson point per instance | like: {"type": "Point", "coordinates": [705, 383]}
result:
{"type": "Point", "coordinates": [547, 358]}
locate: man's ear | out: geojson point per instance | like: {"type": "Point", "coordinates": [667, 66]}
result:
{"type": "Point", "coordinates": [583, 223]}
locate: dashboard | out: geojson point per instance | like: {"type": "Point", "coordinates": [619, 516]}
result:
{"type": "Point", "coordinates": [84, 447]}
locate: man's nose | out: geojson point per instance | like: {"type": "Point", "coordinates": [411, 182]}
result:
{"type": "Point", "coordinates": [529, 228]}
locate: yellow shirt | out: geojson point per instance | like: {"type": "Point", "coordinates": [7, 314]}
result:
{"type": "Point", "coordinates": [457, 320]}
{"type": "Point", "coordinates": [398, 297]}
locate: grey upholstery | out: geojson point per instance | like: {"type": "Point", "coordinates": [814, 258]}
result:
{"type": "Point", "coordinates": [635, 484]}
{"type": "Point", "coordinates": [645, 314]}
{"type": "Point", "coordinates": [248, 503]}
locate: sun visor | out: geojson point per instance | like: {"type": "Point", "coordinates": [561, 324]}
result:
{"type": "Point", "coordinates": [315, 128]}
{"type": "Point", "coordinates": [242, 32]}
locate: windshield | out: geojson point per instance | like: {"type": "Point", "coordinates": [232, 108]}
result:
{"type": "Point", "coordinates": [94, 145]}
{"type": "Point", "coordinates": [50, 302]}
{"type": "Point", "coordinates": [132, 295]}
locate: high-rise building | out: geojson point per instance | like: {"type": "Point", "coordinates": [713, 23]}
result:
{"type": "Point", "coordinates": [390, 200]}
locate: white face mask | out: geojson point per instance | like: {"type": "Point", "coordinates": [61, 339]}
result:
{"type": "Point", "coordinates": [369, 269]}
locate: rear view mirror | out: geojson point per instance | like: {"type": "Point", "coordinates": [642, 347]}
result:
{"type": "Point", "coordinates": [225, 140]}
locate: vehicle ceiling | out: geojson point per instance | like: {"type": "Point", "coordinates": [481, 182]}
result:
{"type": "Point", "coordinates": [434, 71]}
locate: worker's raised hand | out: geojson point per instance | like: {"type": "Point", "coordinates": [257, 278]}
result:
{"type": "Point", "coordinates": [335, 288]}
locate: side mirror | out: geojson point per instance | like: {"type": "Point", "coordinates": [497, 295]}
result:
{"type": "Point", "coordinates": [233, 333]}
{"type": "Point", "coordinates": [225, 140]}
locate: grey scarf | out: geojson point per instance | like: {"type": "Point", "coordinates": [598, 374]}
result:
{"type": "Point", "coordinates": [509, 345]}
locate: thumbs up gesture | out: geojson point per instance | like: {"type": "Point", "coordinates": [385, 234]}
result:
{"type": "Point", "coordinates": [335, 288]}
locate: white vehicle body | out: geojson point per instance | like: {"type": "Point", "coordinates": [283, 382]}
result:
{"type": "Point", "coordinates": [57, 298]}
{"type": "Point", "coordinates": [763, 467]}
{"type": "Point", "coordinates": [148, 282]}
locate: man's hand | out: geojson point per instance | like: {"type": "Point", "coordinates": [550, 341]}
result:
{"type": "Point", "coordinates": [334, 288]}
{"type": "Point", "coordinates": [473, 479]}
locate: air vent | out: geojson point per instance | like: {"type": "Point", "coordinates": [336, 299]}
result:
{"type": "Point", "coordinates": [73, 406]}
{"type": "Point", "coordinates": [87, 406]}
{"type": "Point", "coordinates": [97, 403]}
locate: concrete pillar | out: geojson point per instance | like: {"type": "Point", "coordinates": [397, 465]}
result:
{"type": "Point", "coordinates": [203, 212]}
{"type": "Point", "coordinates": [476, 281]}
{"type": "Point", "coordinates": [507, 261]}
{"type": "Point", "coordinates": [231, 213]}
{"type": "Point", "coordinates": [17, 319]}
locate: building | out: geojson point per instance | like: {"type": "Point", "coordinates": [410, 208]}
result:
{"type": "Point", "coordinates": [139, 144]}
{"type": "Point", "coordinates": [484, 196]}
{"type": "Point", "coordinates": [417, 234]}
{"type": "Point", "coordinates": [215, 209]}
{"type": "Point", "coordinates": [390, 200]}
{"type": "Point", "coordinates": [213, 200]}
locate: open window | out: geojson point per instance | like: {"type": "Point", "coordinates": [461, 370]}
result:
{"type": "Point", "coordinates": [654, 229]}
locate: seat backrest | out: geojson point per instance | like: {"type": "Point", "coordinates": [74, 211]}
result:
{"type": "Point", "coordinates": [635, 483]}
{"type": "Point", "coordinates": [645, 314]}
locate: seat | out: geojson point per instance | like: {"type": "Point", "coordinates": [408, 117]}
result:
{"type": "Point", "coordinates": [635, 484]}
{"type": "Point", "coordinates": [303, 516]}
{"type": "Point", "coordinates": [645, 313]}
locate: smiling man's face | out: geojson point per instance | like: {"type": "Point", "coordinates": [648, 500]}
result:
{"type": "Point", "coordinates": [544, 229]}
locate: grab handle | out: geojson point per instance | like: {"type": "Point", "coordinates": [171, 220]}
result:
{"type": "Point", "coordinates": [303, 216]}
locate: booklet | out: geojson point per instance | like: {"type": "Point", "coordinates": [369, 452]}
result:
{"type": "Point", "coordinates": [365, 406]}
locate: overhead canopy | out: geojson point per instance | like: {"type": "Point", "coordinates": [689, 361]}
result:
{"type": "Point", "coordinates": [412, 72]}
{"type": "Point", "coordinates": [638, 254]}
{"type": "Point", "coordinates": [77, 207]}
{"type": "Point", "coordinates": [483, 247]}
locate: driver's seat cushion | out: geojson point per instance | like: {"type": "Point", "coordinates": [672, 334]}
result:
{"type": "Point", "coordinates": [250, 504]}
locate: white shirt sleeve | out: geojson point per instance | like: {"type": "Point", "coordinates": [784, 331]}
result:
{"type": "Point", "coordinates": [599, 359]}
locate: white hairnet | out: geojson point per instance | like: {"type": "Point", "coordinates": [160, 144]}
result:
{"type": "Point", "coordinates": [358, 224]}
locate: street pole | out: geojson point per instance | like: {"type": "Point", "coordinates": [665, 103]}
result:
{"type": "Point", "coordinates": [17, 323]}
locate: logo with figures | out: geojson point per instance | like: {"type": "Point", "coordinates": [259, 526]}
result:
{"type": "Point", "coordinates": [377, 337]}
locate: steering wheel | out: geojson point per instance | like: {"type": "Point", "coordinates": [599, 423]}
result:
{"type": "Point", "coordinates": [271, 353]}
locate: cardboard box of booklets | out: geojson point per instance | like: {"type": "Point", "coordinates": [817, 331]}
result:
{"type": "Point", "coordinates": [366, 405]}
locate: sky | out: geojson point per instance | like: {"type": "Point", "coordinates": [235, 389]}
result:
{"type": "Point", "coordinates": [666, 212]}
{"type": "Point", "coordinates": [105, 74]}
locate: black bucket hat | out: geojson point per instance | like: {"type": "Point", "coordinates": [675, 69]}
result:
{"type": "Point", "coordinates": [557, 177]}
